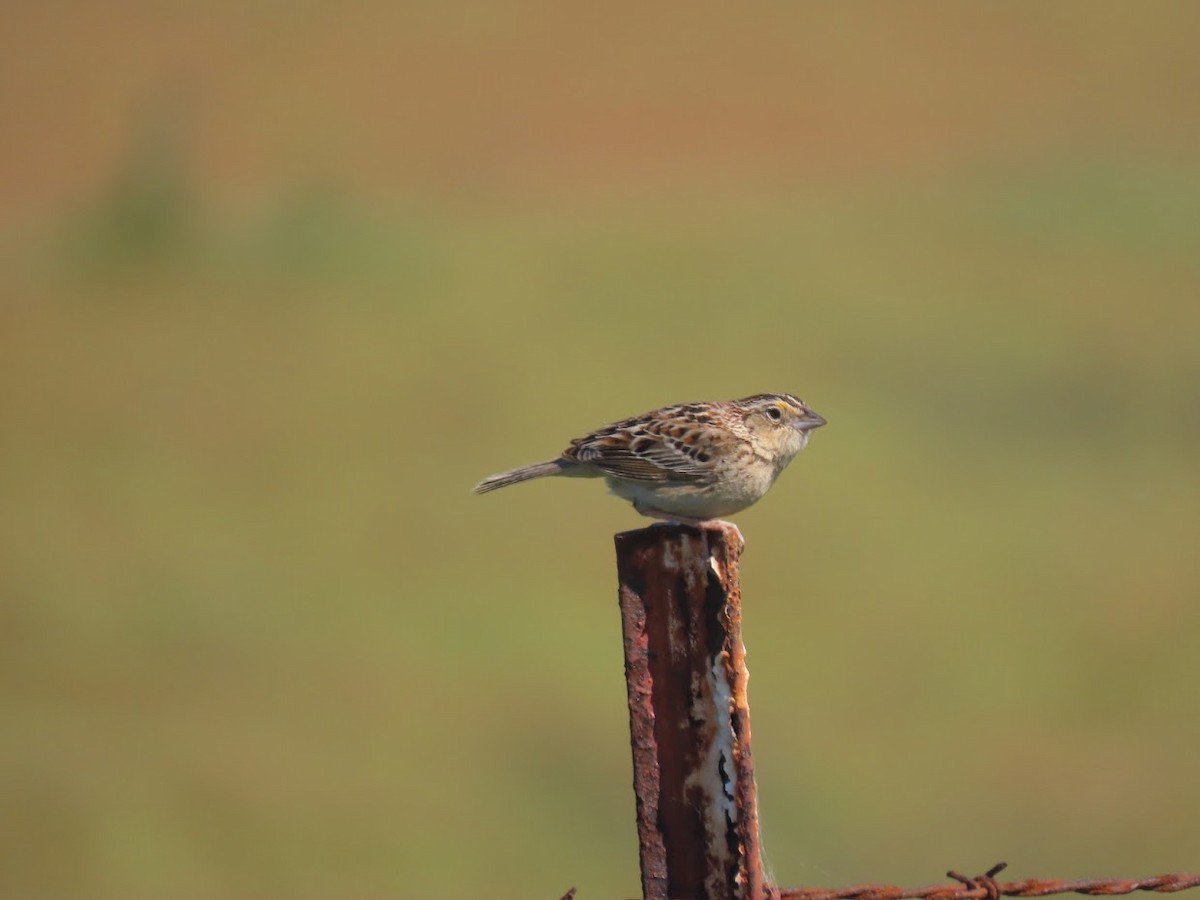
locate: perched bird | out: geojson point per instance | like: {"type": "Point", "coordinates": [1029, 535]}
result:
{"type": "Point", "coordinates": [689, 463]}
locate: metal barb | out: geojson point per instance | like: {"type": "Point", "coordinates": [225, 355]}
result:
{"type": "Point", "coordinates": [985, 881]}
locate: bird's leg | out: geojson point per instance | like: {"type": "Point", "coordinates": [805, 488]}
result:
{"type": "Point", "coordinates": [653, 513]}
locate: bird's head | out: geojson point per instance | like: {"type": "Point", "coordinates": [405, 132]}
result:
{"type": "Point", "coordinates": [779, 422]}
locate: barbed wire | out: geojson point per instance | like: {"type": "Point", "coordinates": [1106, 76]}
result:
{"type": "Point", "coordinates": [986, 886]}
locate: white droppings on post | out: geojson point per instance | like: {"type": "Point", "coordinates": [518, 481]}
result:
{"type": "Point", "coordinates": [669, 557]}
{"type": "Point", "coordinates": [687, 552]}
{"type": "Point", "coordinates": [713, 776]}
{"type": "Point", "coordinates": [718, 569]}
{"type": "Point", "coordinates": [721, 751]}
{"type": "Point", "coordinates": [722, 747]}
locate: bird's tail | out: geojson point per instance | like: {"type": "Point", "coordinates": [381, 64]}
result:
{"type": "Point", "coordinates": [504, 479]}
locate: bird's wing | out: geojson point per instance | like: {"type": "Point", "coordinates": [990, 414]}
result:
{"type": "Point", "coordinates": [650, 449]}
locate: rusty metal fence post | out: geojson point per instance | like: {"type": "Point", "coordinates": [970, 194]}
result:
{"type": "Point", "coordinates": [685, 668]}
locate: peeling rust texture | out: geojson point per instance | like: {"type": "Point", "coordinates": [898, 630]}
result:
{"type": "Point", "coordinates": [689, 719]}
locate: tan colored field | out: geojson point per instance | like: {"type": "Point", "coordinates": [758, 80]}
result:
{"type": "Point", "coordinates": [280, 283]}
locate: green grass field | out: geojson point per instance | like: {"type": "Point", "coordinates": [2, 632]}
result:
{"type": "Point", "coordinates": [277, 293]}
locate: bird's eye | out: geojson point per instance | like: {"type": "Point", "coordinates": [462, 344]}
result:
{"type": "Point", "coordinates": [774, 413]}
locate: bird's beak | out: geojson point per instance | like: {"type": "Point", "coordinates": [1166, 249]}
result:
{"type": "Point", "coordinates": [809, 421]}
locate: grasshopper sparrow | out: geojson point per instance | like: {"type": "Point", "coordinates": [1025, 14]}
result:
{"type": "Point", "coordinates": [688, 463]}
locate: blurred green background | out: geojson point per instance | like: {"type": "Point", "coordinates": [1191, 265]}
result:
{"type": "Point", "coordinates": [281, 282]}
